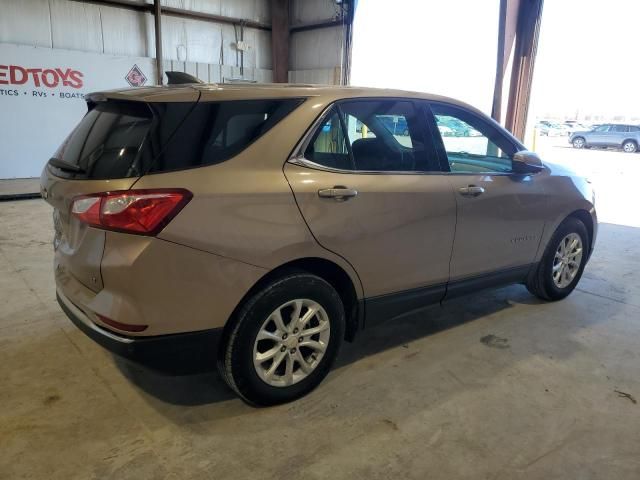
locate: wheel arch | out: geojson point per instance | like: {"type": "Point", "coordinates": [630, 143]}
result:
{"type": "Point", "coordinates": [630, 140]}
{"type": "Point", "coordinates": [329, 271]}
{"type": "Point", "coordinates": [585, 217]}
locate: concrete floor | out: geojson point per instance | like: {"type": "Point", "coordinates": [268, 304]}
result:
{"type": "Point", "coordinates": [495, 386]}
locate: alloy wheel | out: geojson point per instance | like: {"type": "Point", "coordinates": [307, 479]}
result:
{"type": "Point", "coordinates": [578, 143]}
{"type": "Point", "coordinates": [567, 260]}
{"type": "Point", "coordinates": [629, 147]}
{"type": "Point", "coordinates": [291, 342]}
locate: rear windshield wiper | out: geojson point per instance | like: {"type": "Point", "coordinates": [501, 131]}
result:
{"type": "Point", "coordinates": [70, 167]}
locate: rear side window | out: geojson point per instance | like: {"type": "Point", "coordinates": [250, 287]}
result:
{"type": "Point", "coordinates": [217, 131]}
{"type": "Point", "coordinates": [118, 139]}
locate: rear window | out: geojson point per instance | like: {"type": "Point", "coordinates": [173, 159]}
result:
{"type": "Point", "coordinates": [119, 139]}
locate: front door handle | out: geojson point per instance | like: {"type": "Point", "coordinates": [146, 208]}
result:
{"type": "Point", "coordinates": [338, 193]}
{"type": "Point", "coordinates": [471, 191]}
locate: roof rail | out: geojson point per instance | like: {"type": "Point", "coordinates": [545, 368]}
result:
{"type": "Point", "coordinates": [179, 78]}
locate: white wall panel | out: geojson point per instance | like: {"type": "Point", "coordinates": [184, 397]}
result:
{"type": "Point", "coordinates": [26, 22]}
{"type": "Point", "coordinates": [127, 33]}
{"type": "Point", "coordinates": [325, 76]}
{"type": "Point", "coordinates": [303, 11]}
{"type": "Point", "coordinates": [256, 10]}
{"type": "Point", "coordinates": [262, 47]}
{"type": "Point", "coordinates": [189, 40]}
{"type": "Point", "coordinates": [313, 49]}
{"type": "Point", "coordinates": [76, 26]}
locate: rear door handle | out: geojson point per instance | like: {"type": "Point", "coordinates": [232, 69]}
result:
{"type": "Point", "coordinates": [338, 193]}
{"type": "Point", "coordinates": [471, 191]}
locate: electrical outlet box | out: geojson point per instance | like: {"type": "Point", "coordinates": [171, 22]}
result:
{"type": "Point", "coordinates": [242, 46]}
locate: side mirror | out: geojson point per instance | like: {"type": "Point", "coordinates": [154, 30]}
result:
{"type": "Point", "coordinates": [526, 162]}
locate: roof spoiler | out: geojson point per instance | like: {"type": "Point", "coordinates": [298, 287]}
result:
{"type": "Point", "coordinates": [179, 78]}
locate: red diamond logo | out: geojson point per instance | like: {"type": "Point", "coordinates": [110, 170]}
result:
{"type": "Point", "coordinates": [135, 77]}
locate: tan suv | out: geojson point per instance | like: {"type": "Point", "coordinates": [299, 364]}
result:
{"type": "Point", "coordinates": [269, 223]}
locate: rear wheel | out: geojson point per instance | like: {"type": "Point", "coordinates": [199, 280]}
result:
{"type": "Point", "coordinates": [578, 142]}
{"type": "Point", "coordinates": [284, 340]}
{"type": "Point", "coordinates": [629, 146]}
{"type": "Point", "coordinates": [563, 262]}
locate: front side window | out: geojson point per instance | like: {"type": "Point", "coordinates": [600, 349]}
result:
{"type": "Point", "coordinates": [372, 136]}
{"type": "Point", "coordinates": [602, 128]}
{"type": "Point", "coordinates": [472, 145]}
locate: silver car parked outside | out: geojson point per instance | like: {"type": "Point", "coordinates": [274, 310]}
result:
{"type": "Point", "coordinates": [626, 137]}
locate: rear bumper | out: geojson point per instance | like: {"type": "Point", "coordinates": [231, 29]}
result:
{"type": "Point", "coordinates": [173, 353]}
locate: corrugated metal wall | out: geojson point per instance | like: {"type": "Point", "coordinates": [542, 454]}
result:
{"type": "Point", "coordinates": [65, 24]}
{"type": "Point", "coordinates": [315, 55]}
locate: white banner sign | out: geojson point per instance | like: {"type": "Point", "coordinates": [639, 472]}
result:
{"type": "Point", "coordinates": [42, 99]}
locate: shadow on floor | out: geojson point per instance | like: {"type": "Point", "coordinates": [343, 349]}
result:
{"type": "Point", "coordinates": [192, 379]}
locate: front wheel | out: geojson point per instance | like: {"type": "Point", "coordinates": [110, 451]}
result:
{"type": "Point", "coordinates": [578, 142]}
{"type": "Point", "coordinates": [284, 340]}
{"type": "Point", "coordinates": [629, 146]}
{"type": "Point", "coordinates": [563, 262]}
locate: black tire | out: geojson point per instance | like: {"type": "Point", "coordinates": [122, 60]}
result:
{"type": "Point", "coordinates": [579, 142]}
{"type": "Point", "coordinates": [629, 146]}
{"type": "Point", "coordinates": [540, 282]}
{"type": "Point", "coordinates": [237, 365]}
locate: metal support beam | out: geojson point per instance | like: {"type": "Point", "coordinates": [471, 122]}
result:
{"type": "Point", "coordinates": [526, 45]}
{"type": "Point", "coordinates": [350, 6]}
{"type": "Point", "coordinates": [280, 40]}
{"type": "Point", "coordinates": [507, 25]}
{"type": "Point", "coordinates": [303, 27]}
{"type": "Point", "coordinates": [178, 12]}
{"type": "Point", "coordinates": [157, 13]}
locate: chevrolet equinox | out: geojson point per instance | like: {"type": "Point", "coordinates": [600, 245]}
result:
{"type": "Point", "coordinates": [269, 223]}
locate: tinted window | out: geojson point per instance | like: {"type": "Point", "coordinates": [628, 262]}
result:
{"type": "Point", "coordinates": [372, 135]}
{"type": "Point", "coordinates": [472, 144]}
{"type": "Point", "coordinates": [620, 128]}
{"type": "Point", "coordinates": [328, 145]}
{"type": "Point", "coordinates": [217, 131]}
{"type": "Point", "coordinates": [108, 141]}
{"type": "Point", "coordinates": [633, 128]}
{"type": "Point", "coordinates": [128, 139]}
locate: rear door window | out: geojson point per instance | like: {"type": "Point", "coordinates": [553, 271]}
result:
{"type": "Point", "coordinates": [376, 135]}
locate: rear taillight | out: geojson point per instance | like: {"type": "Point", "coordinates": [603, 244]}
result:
{"type": "Point", "coordinates": [143, 212]}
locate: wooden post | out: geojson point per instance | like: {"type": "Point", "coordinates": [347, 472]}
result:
{"type": "Point", "coordinates": [280, 40]}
